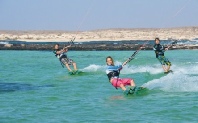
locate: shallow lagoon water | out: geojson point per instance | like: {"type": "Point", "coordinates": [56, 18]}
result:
{"type": "Point", "coordinates": [35, 88]}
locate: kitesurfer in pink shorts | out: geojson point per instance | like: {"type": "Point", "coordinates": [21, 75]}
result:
{"type": "Point", "coordinates": [113, 72]}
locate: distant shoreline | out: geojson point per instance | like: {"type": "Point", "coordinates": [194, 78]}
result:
{"type": "Point", "coordinates": [179, 33]}
{"type": "Point", "coordinates": [106, 39]}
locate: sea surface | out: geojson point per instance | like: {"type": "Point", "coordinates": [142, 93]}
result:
{"type": "Point", "coordinates": [34, 88]}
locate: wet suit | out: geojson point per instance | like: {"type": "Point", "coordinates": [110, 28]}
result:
{"type": "Point", "coordinates": [159, 51]}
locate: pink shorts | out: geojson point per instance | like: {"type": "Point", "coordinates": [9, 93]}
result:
{"type": "Point", "coordinates": [117, 81]}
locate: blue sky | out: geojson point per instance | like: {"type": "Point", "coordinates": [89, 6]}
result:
{"type": "Point", "coordinates": [75, 15]}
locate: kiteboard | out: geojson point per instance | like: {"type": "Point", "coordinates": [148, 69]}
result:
{"type": "Point", "coordinates": [136, 90]}
{"type": "Point", "coordinates": [75, 72]}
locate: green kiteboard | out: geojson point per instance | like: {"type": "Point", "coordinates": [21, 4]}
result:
{"type": "Point", "coordinates": [75, 72]}
{"type": "Point", "coordinates": [136, 90]}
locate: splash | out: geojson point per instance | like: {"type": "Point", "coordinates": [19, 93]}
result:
{"type": "Point", "coordinates": [174, 82]}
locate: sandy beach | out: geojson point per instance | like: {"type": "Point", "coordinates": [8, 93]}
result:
{"type": "Point", "coordinates": [188, 33]}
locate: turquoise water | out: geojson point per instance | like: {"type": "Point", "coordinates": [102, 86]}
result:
{"type": "Point", "coordinates": [34, 88]}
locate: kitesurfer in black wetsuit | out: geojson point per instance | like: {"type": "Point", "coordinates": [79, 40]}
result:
{"type": "Point", "coordinates": [159, 51]}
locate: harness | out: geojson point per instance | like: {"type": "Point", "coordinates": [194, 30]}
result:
{"type": "Point", "coordinates": [113, 74]}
